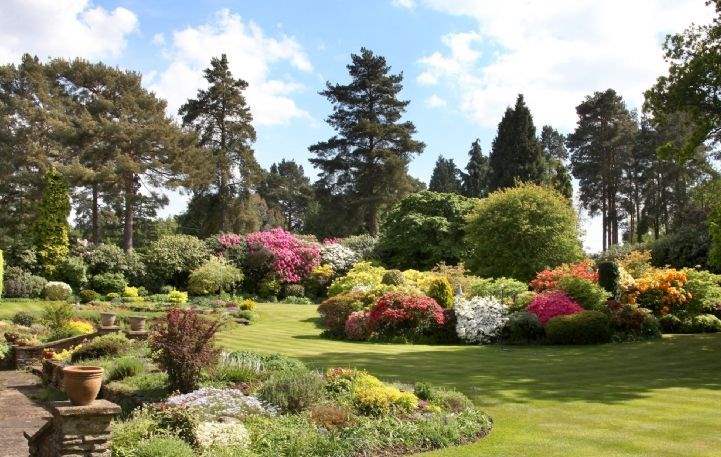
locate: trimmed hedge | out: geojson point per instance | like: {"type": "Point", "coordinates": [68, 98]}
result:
{"type": "Point", "coordinates": [587, 327]}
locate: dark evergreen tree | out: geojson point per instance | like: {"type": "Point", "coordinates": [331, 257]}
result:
{"type": "Point", "coordinates": [555, 154]}
{"type": "Point", "coordinates": [364, 166]}
{"type": "Point", "coordinates": [222, 121]}
{"type": "Point", "coordinates": [517, 155]}
{"type": "Point", "coordinates": [475, 179]}
{"type": "Point", "coordinates": [287, 190]}
{"type": "Point", "coordinates": [446, 177]}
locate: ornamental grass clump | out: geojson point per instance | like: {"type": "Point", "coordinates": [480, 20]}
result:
{"type": "Point", "coordinates": [183, 345]}
{"type": "Point", "coordinates": [480, 319]}
{"type": "Point", "coordinates": [551, 304]}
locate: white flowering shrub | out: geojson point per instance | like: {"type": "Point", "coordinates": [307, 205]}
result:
{"type": "Point", "coordinates": [56, 290]}
{"type": "Point", "coordinates": [222, 434]}
{"type": "Point", "coordinates": [214, 403]}
{"type": "Point", "coordinates": [339, 257]}
{"type": "Point", "coordinates": [479, 319]}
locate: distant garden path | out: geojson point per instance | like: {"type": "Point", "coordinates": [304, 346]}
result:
{"type": "Point", "coordinates": [18, 412]}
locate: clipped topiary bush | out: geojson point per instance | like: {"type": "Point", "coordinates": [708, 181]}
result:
{"type": "Point", "coordinates": [587, 327]}
{"type": "Point", "coordinates": [608, 276]}
{"type": "Point", "coordinates": [505, 229]}
{"type": "Point", "coordinates": [214, 276]}
{"type": "Point", "coordinates": [106, 283]}
{"type": "Point", "coordinates": [57, 291]}
{"type": "Point", "coordinates": [441, 291]}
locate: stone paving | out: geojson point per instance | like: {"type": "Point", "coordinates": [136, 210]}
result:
{"type": "Point", "coordinates": [19, 412]}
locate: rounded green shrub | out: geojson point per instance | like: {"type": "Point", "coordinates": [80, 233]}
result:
{"type": "Point", "coordinates": [703, 323]}
{"type": "Point", "coordinates": [587, 327]}
{"type": "Point", "coordinates": [106, 283]}
{"type": "Point", "coordinates": [441, 291]}
{"type": "Point", "coordinates": [522, 327]}
{"type": "Point", "coordinates": [293, 290]}
{"type": "Point", "coordinates": [507, 290]}
{"type": "Point", "coordinates": [124, 367]}
{"type": "Point", "coordinates": [164, 447]}
{"type": "Point", "coordinates": [214, 276]}
{"type": "Point", "coordinates": [335, 310]}
{"type": "Point", "coordinates": [57, 291]}
{"type": "Point", "coordinates": [519, 231]}
{"type": "Point", "coordinates": [424, 229]}
{"type": "Point", "coordinates": [73, 271]}
{"type": "Point", "coordinates": [172, 258]}
{"type": "Point", "coordinates": [608, 275]}
{"type": "Point", "coordinates": [586, 293]}
{"type": "Point", "coordinates": [87, 296]}
{"type": "Point", "coordinates": [102, 346]}
{"type": "Point", "coordinates": [21, 284]}
{"type": "Point", "coordinates": [393, 278]}
{"type": "Point", "coordinates": [670, 324]}
{"type": "Point", "coordinates": [293, 391]}
{"type": "Point", "coordinates": [23, 318]}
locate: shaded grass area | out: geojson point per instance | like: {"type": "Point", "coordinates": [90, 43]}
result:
{"type": "Point", "coordinates": [635, 399]}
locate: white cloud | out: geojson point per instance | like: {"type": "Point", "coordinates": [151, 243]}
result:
{"type": "Point", "coordinates": [555, 52]}
{"type": "Point", "coordinates": [68, 28]}
{"type": "Point", "coordinates": [407, 4]}
{"type": "Point", "coordinates": [159, 39]}
{"type": "Point", "coordinates": [251, 54]}
{"type": "Point", "coordinates": [434, 101]}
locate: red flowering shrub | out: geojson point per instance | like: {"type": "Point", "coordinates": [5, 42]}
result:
{"type": "Point", "coordinates": [548, 279]}
{"type": "Point", "coordinates": [182, 345]}
{"type": "Point", "coordinates": [398, 314]}
{"type": "Point", "coordinates": [356, 326]}
{"type": "Point", "coordinates": [293, 259]}
{"type": "Point", "coordinates": [551, 304]}
{"type": "Point", "coordinates": [335, 310]}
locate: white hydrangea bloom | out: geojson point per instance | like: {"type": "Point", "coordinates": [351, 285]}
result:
{"type": "Point", "coordinates": [222, 434]}
{"type": "Point", "coordinates": [339, 257]}
{"type": "Point", "coordinates": [479, 319]}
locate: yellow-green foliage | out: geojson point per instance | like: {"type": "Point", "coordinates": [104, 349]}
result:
{"type": "Point", "coordinates": [177, 297]}
{"type": "Point", "coordinates": [214, 276]}
{"type": "Point", "coordinates": [440, 289]}
{"type": "Point", "coordinates": [373, 397]}
{"type": "Point", "coordinates": [51, 225]}
{"type": "Point", "coordinates": [362, 274]}
{"type": "Point", "coordinates": [129, 292]}
{"type": "Point", "coordinates": [2, 269]}
{"type": "Point", "coordinates": [247, 305]}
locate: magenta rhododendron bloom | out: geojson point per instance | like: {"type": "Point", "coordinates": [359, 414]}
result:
{"type": "Point", "coordinates": [228, 240]}
{"type": "Point", "coordinates": [356, 326]}
{"type": "Point", "coordinates": [551, 304]}
{"type": "Point", "coordinates": [293, 258]}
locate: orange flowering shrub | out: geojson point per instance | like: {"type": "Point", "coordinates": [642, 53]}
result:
{"type": "Point", "coordinates": [548, 279]}
{"type": "Point", "coordinates": [661, 290]}
{"type": "Point", "coordinates": [636, 263]}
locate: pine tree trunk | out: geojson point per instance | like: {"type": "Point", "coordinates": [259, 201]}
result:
{"type": "Point", "coordinates": [95, 216]}
{"type": "Point", "coordinates": [604, 217]}
{"type": "Point", "coordinates": [128, 222]}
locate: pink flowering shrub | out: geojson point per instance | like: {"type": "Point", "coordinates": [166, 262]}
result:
{"type": "Point", "coordinates": [292, 259]}
{"type": "Point", "coordinates": [551, 304]}
{"type": "Point", "coordinates": [228, 240]}
{"type": "Point", "coordinates": [399, 314]}
{"type": "Point", "coordinates": [356, 326]}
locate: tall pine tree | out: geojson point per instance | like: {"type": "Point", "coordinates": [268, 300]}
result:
{"type": "Point", "coordinates": [287, 190]}
{"type": "Point", "coordinates": [365, 164]}
{"type": "Point", "coordinates": [475, 179]}
{"type": "Point", "coordinates": [446, 177]}
{"type": "Point", "coordinates": [555, 154]}
{"type": "Point", "coordinates": [517, 155]}
{"type": "Point", "coordinates": [222, 120]}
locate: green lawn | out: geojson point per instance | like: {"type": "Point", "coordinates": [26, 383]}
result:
{"type": "Point", "coordinates": [639, 399]}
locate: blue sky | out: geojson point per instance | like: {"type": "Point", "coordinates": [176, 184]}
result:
{"type": "Point", "coordinates": [463, 61]}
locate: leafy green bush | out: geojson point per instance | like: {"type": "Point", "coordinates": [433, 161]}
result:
{"type": "Point", "coordinates": [56, 290]}
{"type": "Point", "coordinates": [441, 291]}
{"type": "Point", "coordinates": [586, 293]}
{"type": "Point", "coordinates": [632, 322]}
{"type": "Point", "coordinates": [505, 289]}
{"type": "Point", "coordinates": [522, 328]}
{"type": "Point", "coordinates": [73, 271]}
{"type": "Point", "coordinates": [293, 300]}
{"type": "Point", "coordinates": [87, 296]}
{"type": "Point", "coordinates": [293, 290]}
{"type": "Point", "coordinates": [670, 324]}
{"type": "Point", "coordinates": [108, 258]}
{"type": "Point", "coordinates": [703, 323]}
{"type": "Point", "coordinates": [57, 315]}
{"type": "Point", "coordinates": [21, 284]}
{"type": "Point", "coordinates": [216, 275]}
{"type": "Point", "coordinates": [424, 229]}
{"type": "Point", "coordinates": [519, 231]}
{"type": "Point", "coordinates": [587, 327]}
{"type": "Point", "coordinates": [608, 275]}
{"type": "Point", "coordinates": [293, 391]}
{"type": "Point", "coordinates": [686, 246]}
{"type": "Point", "coordinates": [177, 297]}
{"type": "Point", "coordinates": [106, 283]}
{"type": "Point", "coordinates": [163, 446]}
{"type": "Point", "coordinates": [335, 310]}
{"type": "Point", "coordinates": [705, 289]}
{"type": "Point", "coordinates": [171, 259]}
{"type": "Point", "coordinates": [269, 288]}
{"type": "Point", "coordinates": [124, 367]}
{"type": "Point", "coordinates": [363, 245]}
{"type": "Point", "coordinates": [393, 278]}
{"type": "Point", "coordinates": [103, 346]}
{"type": "Point", "coordinates": [23, 318]}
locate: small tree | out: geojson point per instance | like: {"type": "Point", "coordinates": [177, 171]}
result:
{"type": "Point", "coordinates": [51, 226]}
{"type": "Point", "coordinates": [183, 345]}
{"type": "Point", "coordinates": [519, 231]}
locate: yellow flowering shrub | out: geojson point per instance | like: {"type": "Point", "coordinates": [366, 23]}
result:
{"type": "Point", "coordinates": [130, 292]}
{"type": "Point", "coordinates": [373, 397]}
{"type": "Point", "coordinates": [322, 272]}
{"type": "Point", "coordinates": [79, 327]}
{"type": "Point", "coordinates": [661, 290]}
{"type": "Point", "coordinates": [177, 297]}
{"type": "Point", "coordinates": [636, 263]}
{"type": "Point", "coordinates": [64, 355]}
{"type": "Point", "coordinates": [248, 305]}
{"type": "Point", "coordinates": [362, 274]}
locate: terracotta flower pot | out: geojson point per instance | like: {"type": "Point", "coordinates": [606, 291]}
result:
{"type": "Point", "coordinates": [82, 383]}
{"type": "Point", "coordinates": [137, 323]}
{"type": "Point", "coordinates": [107, 319]}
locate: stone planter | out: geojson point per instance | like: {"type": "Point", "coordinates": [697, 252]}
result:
{"type": "Point", "coordinates": [137, 323]}
{"type": "Point", "coordinates": [82, 383]}
{"type": "Point", "coordinates": [107, 319]}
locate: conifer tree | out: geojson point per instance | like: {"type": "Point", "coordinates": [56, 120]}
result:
{"type": "Point", "coordinates": [51, 226]}
{"type": "Point", "coordinates": [516, 155]}
{"type": "Point", "coordinates": [364, 166]}
{"type": "Point", "coordinates": [555, 154]}
{"type": "Point", "coordinates": [475, 179]}
{"type": "Point", "coordinates": [287, 190]}
{"type": "Point", "coordinates": [446, 177]}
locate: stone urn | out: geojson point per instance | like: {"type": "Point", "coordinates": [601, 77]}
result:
{"type": "Point", "coordinates": [107, 319]}
{"type": "Point", "coordinates": [137, 323]}
{"type": "Point", "coordinates": [82, 383]}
